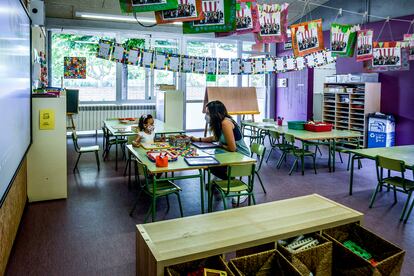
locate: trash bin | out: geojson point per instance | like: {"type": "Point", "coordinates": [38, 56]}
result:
{"type": "Point", "coordinates": [381, 130]}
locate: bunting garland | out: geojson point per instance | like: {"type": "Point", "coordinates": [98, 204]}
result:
{"type": "Point", "coordinates": [119, 53]}
{"type": "Point", "coordinates": [223, 66]}
{"type": "Point", "coordinates": [104, 49]}
{"type": "Point", "coordinates": [133, 56]}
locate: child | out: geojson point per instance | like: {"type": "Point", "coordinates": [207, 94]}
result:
{"type": "Point", "coordinates": [146, 130]}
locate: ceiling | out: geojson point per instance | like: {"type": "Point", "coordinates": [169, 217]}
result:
{"type": "Point", "coordinates": [67, 8]}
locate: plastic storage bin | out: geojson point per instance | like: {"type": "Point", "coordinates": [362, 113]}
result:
{"type": "Point", "coordinates": [318, 127]}
{"type": "Point", "coordinates": [298, 125]}
{"type": "Point", "coordinates": [381, 130]}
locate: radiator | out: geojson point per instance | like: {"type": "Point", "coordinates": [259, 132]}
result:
{"type": "Point", "coordinates": [91, 117]}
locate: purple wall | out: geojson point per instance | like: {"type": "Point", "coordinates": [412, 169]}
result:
{"type": "Point", "coordinates": [397, 88]}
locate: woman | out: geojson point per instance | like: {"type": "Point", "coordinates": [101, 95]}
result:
{"type": "Point", "coordinates": [226, 131]}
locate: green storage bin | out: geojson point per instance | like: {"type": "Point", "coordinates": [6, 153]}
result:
{"type": "Point", "coordinates": [298, 125]}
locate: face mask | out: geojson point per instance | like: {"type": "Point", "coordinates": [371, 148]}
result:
{"type": "Point", "coordinates": [151, 128]}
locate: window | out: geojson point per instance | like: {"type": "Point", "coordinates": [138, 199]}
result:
{"type": "Point", "coordinates": [100, 82]}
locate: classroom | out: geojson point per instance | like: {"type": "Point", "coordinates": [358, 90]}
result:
{"type": "Point", "coordinates": [207, 137]}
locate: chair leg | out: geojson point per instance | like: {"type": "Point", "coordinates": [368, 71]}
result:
{"type": "Point", "coordinates": [179, 204]}
{"type": "Point", "coordinates": [97, 160]}
{"type": "Point", "coordinates": [77, 161]}
{"type": "Point", "coordinates": [261, 183]}
{"type": "Point", "coordinates": [395, 194]}
{"type": "Point", "coordinates": [238, 200]}
{"type": "Point", "coordinates": [128, 163]}
{"type": "Point", "coordinates": [319, 149]}
{"type": "Point", "coordinates": [359, 164]}
{"type": "Point", "coordinates": [270, 153]}
{"type": "Point", "coordinates": [340, 157]}
{"type": "Point", "coordinates": [375, 194]}
{"type": "Point", "coordinates": [349, 161]}
{"type": "Point", "coordinates": [279, 163]}
{"type": "Point", "coordinates": [409, 211]}
{"type": "Point", "coordinates": [224, 200]}
{"type": "Point", "coordinates": [405, 207]}
{"type": "Point", "coordinates": [295, 163]}
{"type": "Point", "coordinates": [314, 163]}
{"type": "Point", "coordinates": [302, 163]}
{"type": "Point", "coordinates": [168, 203]}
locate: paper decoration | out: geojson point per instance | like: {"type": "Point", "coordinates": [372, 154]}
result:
{"type": "Point", "coordinates": [211, 66]}
{"type": "Point", "coordinates": [247, 66]}
{"type": "Point", "coordinates": [235, 66]}
{"type": "Point", "coordinates": [223, 66]}
{"type": "Point", "coordinates": [219, 16]}
{"type": "Point", "coordinates": [290, 63]}
{"type": "Point", "coordinates": [104, 49]}
{"type": "Point", "coordinates": [186, 64]}
{"type": "Point", "coordinates": [319, 58]}
{"type": "Point", "coordinates": [273, 23]}
{"type": "Point", "coordinates": [364, 45]}
{"type": "Point", "coordinates": [343, 39]}
{"type": "Point", "coordinates": [410, 45]}
{"type": "Point", "coordinates": [119, 53]}
{"type": "Point", "coordinates": [187, 10]}
{"type": "Point", "coordinates": [300, 63]}
{"type": "Point", "coordinates": [147, 59]}
{"type": "Point", "coordinates": [329, 57]}
{"type": "Point", "coordinates": [129, 6]}
{"type": "Point", "coordinates": [280, 65]}
{"type": "Point", "coordinates": [310, 61]}
{"type": "Point", "coordinates": [46, 119]}
{"type": "Point", "coordinates": [74, 67]}
{"type": "Point", "coordinates": [173, 63]}
{"type": "Point", "coordinates": [307, 37]}
{"type": "Point", "coordinates": [199, 65]}
{"type": "Point", "coordinates": [258, 66]}
{"type": "Point", "coordinates": [269, 65]}
{"type": "Point", "coordinates": [386, 54]}
{"type": "Point", "coordinates": [133, 56]}
{"type": "Point", "coordinates": [160, 61]}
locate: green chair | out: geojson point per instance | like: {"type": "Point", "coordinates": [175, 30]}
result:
{"type": "Point", "coordinates": [299, 154]}
{"type": "Point", "coordinates": [81, 150]}
{"type": "Point", "coordinates": [109, 140]}
{"type": "Point", "coordinates": [399, 183]}
{"type": "Point", "coordinates": [345, 146]}
{"type": "Point", "coordinates": [260, 151]}
{"type": "Point", "coordinates": [266, 132]}
{"type": "Point", "coordinates": [250, 132]}
{"type": "Point", "coordinates": [234, 185]}
{"type": "Point", "coordinates": [276, 142]}
{"type": "Point", "coordinates": [155, 189]}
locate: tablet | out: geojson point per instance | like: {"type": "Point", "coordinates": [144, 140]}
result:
{"type": "Point", "coordinates": [201, 161]}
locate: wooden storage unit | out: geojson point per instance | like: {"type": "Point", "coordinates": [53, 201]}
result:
{"type": "Point", "coordinates": [345, 105]}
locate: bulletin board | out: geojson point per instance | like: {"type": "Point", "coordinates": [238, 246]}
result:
{"type": "Point", "coordinates": [238, 100]}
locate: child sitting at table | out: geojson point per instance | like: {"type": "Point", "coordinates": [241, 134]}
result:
{"type": "Point", "coordinates": [146, 130]}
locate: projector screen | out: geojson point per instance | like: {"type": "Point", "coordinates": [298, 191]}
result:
{"type": "Point", "coordinates": [15, 90]}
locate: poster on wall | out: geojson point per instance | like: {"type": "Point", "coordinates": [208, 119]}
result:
{"type": "Point", "coordinates": [307, 37]}
{"type": "Point", "coordinates": [74, 67]}
{"type": "Point", "coordinates": [104, 49]}
{"type": "Point", "coordinates": [364, 45]}
{"type": "Point", "coordinates": [119, 53]}
{"type": "Point", "coordinates": [223, 66]}
{"type": "Point", "coordinates": [130, 6]}
{"type": "Point", "coordinates": [187, 10]}
{"type": "Point", "coordinates": [273, 23]}
{"type": "Point", "coordinates": [343, 39]}
{"type": "Point", "coordinates": [219, 16]}
{"type": "Point", "coordinates": [410, 45]}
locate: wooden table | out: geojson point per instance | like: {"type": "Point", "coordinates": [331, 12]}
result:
{"type": "Point", "coordinates": [403, 153]}
{"type": "Point", "coordinates": [118, 129]}
{"type": "Point", "coordinates": [305, 135]}
{"type": "Point", "coordinates": [170, 242]}
{"type": "Point", "coordinates": [225, 159]}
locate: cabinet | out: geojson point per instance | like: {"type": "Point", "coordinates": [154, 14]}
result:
{"type": "Point", "coordinates": [346, 105]}
{"type": "Point", "coordinates": [170, 107]}
{"type": "Point", "coordinates": [46, 159]}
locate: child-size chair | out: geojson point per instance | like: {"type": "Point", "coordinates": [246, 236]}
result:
{"type": "Point", "coordinates": [81, 150]}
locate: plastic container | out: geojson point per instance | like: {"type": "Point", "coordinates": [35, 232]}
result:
{"type": "Point", "coordinates": [318, 127]}
{"type": "Point", "coordinates": [297, 125]}
{"type": "Point", "coordinates": [381, 130]}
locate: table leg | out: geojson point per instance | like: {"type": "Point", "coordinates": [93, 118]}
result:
{"type": "Point", "coordinates": [129, 169]}
{"type": "Point", "coordinates": [201, 190]}
{"type": "Point", "coordinates": [116, 153]}
{"type": "Point", "coordinates": [154, 199]}
{"type": "Point", "coordinates": [351, 177]}
{"type": "Point", "coordinates": [333, 154]}
{"type": "Point", "coordinates": [209, 192]}
{"type": "Point", "coordinates": [329, 156]}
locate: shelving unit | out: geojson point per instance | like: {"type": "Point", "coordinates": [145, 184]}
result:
{"type": "Point", "coordinates": [346, 105]}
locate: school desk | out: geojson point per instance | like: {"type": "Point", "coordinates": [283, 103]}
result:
{"type": "Point", "coordinates": [118, 129]}
{"type": "Point", "coordinates": [403, 153]}
{"type": "Point", "coordinates": [181, 240]}
{"type": "Point", "coordinates": [305, 135]}
{"type": "Point", "coordinates": [226, 159]}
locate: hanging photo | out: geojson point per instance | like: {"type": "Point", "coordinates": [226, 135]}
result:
{"type": "Point", "coordinates": [280, 65]}
{"type": "Point", "coordinates": [119, 53]}
{"type": "Point", "coordinates": [218, 16]}
{"type": "Point", "coordinates": [173, 62]}
{"type": "Point", "coordinates": [186, 64]}
{"type": "Point", "coordinates": [300, 63]}
{"type": "Point", "coordinates": [147, 59]}
{"type": "Point", "coordinates": [290, 63]}
{"type": "Point", "coordinates": [133, 56]}
{"type": "Point", "coordinates": [74, 67]}
{"type": "Point", "coordinates": [223, 66]}
{"type": "Point", "coordinates": [105, 49]}
{"type": "Point", "coordinates": [235, 66]}
{"type": "Point", "coordinates": [343, 39]}
{"type": "Point", "coordinates": [269, 64]}
{"type": "Point", "coordinates": [364, 45]}
{"type": "Point", "coordinates": [273, 23]}
{"type": "Point", "coordinates": [160, 61]}
{"type": "Point", "coordinates": [211, 66]}
{"type": "Point", "coordinates": [410, 45]}
{"type": "Point", "coordinates": [247, 66]}
{"type": "Point", "coordinates": [258, 66]}
{"type": "Point", "coordinates": [187, 10]}
{"type": "Point", "coordinates": [386, 54]}
{"type": "Point", "coordinates": [130, 6]}
{"type": "Point", "coordinates": [307, 37]}
{"type": "Point", "coordinates": [199, 65]}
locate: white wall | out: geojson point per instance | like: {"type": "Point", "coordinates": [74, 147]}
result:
{"type": "Point", "coordinates": [319, 75]}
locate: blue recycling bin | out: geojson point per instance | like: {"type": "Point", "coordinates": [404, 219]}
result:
{"type": "Point", "coordinates": [381, 130]}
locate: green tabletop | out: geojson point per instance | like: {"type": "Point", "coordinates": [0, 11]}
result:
{"type": "Point", "coordinates": [403, 153]}
{"type": "Point", "coordinates": [226, 158]}
{"type": "Point", "coordinates": [119, 129]}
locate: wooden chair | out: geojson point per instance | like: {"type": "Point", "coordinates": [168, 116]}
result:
{"type": "Point", "coordinates": [399, 183]}
{"type": "Point", "coordinates": [234, 186]}
{"type": "Point", "coordinates": [260, 151]}
{"type": "Point", "coordinates": [81, 150]}
{"type": "Point", "coordinates": [299, 154]}
{"type": "Point", "coordinates": [155, 189]}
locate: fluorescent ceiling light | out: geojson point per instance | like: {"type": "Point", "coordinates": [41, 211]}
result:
{"type": "Point", "coordinates": [120, 18]}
